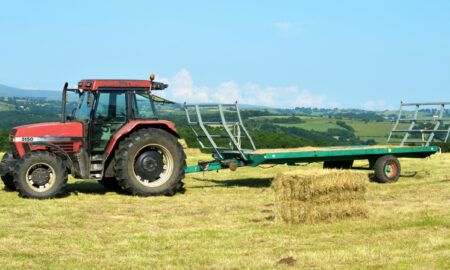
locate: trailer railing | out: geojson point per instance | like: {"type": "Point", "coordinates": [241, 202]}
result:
{"type": "Point", "coordinates": [427, 133]}
{"type": "Point", "coordinates": [218, 127]}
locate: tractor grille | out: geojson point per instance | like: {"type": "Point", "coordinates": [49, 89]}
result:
{"type": "Point", "coordinates": [66, 146]}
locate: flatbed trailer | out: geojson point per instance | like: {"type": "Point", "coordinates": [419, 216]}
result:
{"type": "Point", "coordinates": [383, 159]}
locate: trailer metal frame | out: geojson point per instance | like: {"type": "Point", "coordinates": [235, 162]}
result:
{"type": "Point", "coordinates": [438, 120]}
{"type": "Point", "coordinates": [236, 156]}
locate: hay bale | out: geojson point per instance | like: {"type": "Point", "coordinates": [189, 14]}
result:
{"type": "Point", "coordinates": [305, 185]}
{"type": "Point", "coordinates": [192, 151]}
{"type": "Point", "coordinates": [319, 195]}
{"type": "Point", "coordinates": [183, 143]}
{"type": "Point", "coordinates": [306, 212]}
{"type": "Point", "coordinates": [188, 150]}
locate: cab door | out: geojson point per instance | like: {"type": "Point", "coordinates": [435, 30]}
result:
{"type": "Point", "coordinates": [110, 115]}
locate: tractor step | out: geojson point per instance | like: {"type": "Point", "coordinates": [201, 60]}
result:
{"type": "Point", "coordinates": [95, 175]}
{"type": "Point", "coordinates": [97, 158]}
{"type": "Point", "coordinates": [96, 167]}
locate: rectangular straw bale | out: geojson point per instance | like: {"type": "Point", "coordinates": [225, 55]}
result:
{"type": "Point", "coordinates": [305, 185]}
{"type": "Point", "coordinates": [312, 196]}
{"type": "Point", "coordinates": [305, 212]}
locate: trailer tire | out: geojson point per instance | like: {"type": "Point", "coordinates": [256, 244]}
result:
{"type": "Point", "coordinates": [40, 175]}
{"type": "Point", "coordinates": [150, 162]}
{"type": "Point", "coordinates": [110, 183]}
{"type": "Point", "coordinates": [340, 165]}
{"type": "Point", "coordinates": [387, 169]}
{"type": "Point", "coordinates": [8, 179]}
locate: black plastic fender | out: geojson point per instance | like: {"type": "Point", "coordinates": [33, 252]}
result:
{"type": "Point", "coordinates": [69, 163]}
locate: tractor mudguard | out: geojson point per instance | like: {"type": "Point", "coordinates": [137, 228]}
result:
{"type": "Point", "coordinates": [69, 163]}
{"type": "Point", "coordinates": [130, 126]}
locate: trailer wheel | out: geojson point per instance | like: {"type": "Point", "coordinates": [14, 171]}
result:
{"type": "Point", "coordinates": [341, 165]}
{"type": "Point", "coordinates": [8, 179]}
{"type": "Point", "coordinates": [150, 162]}
{"type": "Point", "coordinates": [110, 183]}
{"type": "Point", "coordinates": [387, 169]}
{"type": "Point", "coordinates": [40, 175]}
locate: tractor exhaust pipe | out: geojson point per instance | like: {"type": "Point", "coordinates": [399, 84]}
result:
{"type": "Point", "coordinates": [63, 107]}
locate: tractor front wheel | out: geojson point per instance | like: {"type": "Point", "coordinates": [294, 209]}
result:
{"type": "Point", "coordinates": [8, 179]}
{"type": "Point", "coordinates": [40, 175]}
{"type": "Point", "coordinates": [387, 169]}
{"type": "Point", "coordinates": [150, 162]}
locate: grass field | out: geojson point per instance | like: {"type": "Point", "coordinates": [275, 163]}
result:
{"type": "Point", "coordinates": [378, 131]}
{"type": "Point", "coordinates": [6, 107]}
{"type": "Point", "coordinates": [225, 221]}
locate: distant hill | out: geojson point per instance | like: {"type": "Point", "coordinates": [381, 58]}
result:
{"type": "Point", "coordinates": [8, 91]}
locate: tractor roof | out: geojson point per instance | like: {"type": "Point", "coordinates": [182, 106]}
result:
{"type": "Point", "coordinates": [101, 84]}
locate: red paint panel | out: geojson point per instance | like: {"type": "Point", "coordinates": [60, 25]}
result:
{"type": "Point", "coordinates": [95, 84]}
{"type": "Point", "coordinates": [76, 146]}
{"type": "Point", "coordinates": [20, 149]}
{"type": "Point", "coordinates": [52, 129]}
{"type": "Point", "coordinates": [131, 125]}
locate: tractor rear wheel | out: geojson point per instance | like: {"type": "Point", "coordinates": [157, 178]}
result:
{"type": "Point", "coordinates": [40, 175]}
{"type": "Point", "coordinates": [8, 179]}
{"type": "Point", "coordinates": [150, 162]}
{"type": "Point", "coordinates": [387, 169]}
{"type": "Point", "coordinates": [110, 183]}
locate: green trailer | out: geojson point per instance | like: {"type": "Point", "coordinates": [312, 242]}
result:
{"type": "Point", "coordinates": [214, 134]}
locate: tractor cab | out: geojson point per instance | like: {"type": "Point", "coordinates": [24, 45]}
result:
{"type": "Point", "coordinates": [104, 106]}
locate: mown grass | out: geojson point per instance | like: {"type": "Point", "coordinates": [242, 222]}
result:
{"type": "Point", "coordinates": [378, 131]}
{"type": "Point", "coordinates": [225, 221]}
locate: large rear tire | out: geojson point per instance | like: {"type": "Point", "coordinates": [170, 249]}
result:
{"type": "Point", "coordinates": [387, 169]}
{"type": "Point", "coordinates": [40, 175]}
{"type": "Point", "coordinates": [150, 162]}
{"type": "Point", "coordinates": [8, 179]}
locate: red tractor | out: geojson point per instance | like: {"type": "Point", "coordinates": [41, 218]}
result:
{"type": "Point", "coordinates": [113, 135]}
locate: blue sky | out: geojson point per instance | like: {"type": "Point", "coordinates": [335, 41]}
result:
{"type": "Point", "coordinates": [359, 54]}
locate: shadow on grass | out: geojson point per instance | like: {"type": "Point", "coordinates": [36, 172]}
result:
{"type": "Point", "coordinates": [246, 182]}
{"type": "Point", "coordinates": [93, 187]}
{"type": "Point", "coordinates": [85, 187]}
{"type": "Point", "coordinates": [8, 190]}
{"type": "Point", "coordinates": [373, 179]}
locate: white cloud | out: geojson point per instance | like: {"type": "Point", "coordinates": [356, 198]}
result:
{"type": "Point", "coordinates": [286, 29]}
{"type": "Point", "coordinates": [377, 105]}
{"type": "Point", "coordinates": [182, 88]}
{"type": "Point", "coordinates": [306, 99]}
{"type": "Point", "coordinates": [227, 92]}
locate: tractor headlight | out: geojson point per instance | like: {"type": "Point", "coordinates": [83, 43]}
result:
{"type": "Point", "coordinates": [12, 134]}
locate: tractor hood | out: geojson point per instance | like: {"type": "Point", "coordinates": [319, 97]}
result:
{"type": "Point", "coordinates": [52, 131]}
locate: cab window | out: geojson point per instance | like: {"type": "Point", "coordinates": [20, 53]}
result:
{"type": "Point", "coordinates": [142, 106]}
{"type": "Point", "coordinates": [110, 116]}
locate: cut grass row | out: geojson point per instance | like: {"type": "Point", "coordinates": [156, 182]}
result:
{"type": "Point", "coordinates": [225, 221]}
